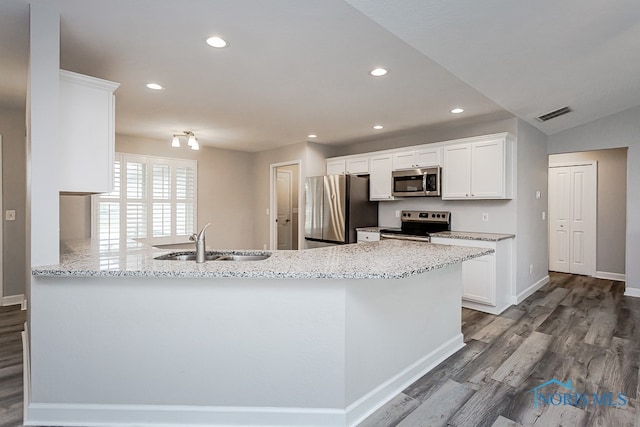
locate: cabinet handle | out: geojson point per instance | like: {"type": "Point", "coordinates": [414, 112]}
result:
{"type": "Point", "coordinates": [466, 195]}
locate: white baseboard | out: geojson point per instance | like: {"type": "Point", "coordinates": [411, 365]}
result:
{"type": "Point", "coordinates": [632, 292]}
{"type": "Point", "coordinates": [530, 290]}
{"type": "Point", "coordinates": [496, 310]}
{"type": "Point", "coordinates": [610, 276]}
{"type": "Point", "coordinates": [94, 415]}
{"type": "Point", "coordinates": [372, 401]}
{"type": "Point", "coordinates": [13, 300]}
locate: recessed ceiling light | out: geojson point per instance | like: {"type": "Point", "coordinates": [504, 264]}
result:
{"type": "Point", "coordinates": [457, 110]}
{"type": "Point", "coordinates": [378, 127]}
{"type": "Point", "coordinates": [216, 41]}
{"type": "Point", "coordinates": [378, 72]}
{"type": "Point", "coordinates": [154, 86]}
{"type": "Point", "coordinates": [312, 135]}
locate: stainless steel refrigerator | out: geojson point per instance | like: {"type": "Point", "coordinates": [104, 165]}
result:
{"type": "Point", "coordinates": [335, 205]}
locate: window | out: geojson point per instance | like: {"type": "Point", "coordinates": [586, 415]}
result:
{"type": "Point", "coordinates": [153, 198]}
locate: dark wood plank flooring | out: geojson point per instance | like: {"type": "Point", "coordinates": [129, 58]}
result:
{"type": "Point", "coordinates": [575, 328]}
{"type": "Point", "coordinates": [12, 320]}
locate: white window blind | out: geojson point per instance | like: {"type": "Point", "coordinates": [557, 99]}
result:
{"type": "Point", "coordinates": [153, 198]}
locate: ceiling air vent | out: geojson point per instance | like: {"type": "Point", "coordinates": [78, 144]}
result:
{"type": "Point", "coordinates": [556, 113]}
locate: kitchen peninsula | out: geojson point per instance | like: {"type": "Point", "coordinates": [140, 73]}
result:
{"type": "Point", "coordinates": [317, 337]}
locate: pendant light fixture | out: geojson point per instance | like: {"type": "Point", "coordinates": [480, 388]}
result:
{"type": "Point", "coordinates": [191, 142]}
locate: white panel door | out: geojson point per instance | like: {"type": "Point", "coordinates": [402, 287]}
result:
{"type": "Point", "coordinates": [572, 216]}
{"type": "Point", "coordinates": [559, 223]}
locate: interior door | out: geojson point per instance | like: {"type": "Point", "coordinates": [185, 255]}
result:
{"type": "Point", "coordinates": [284, 208]}
{"type": "Point", "coordinates": [572, 219]}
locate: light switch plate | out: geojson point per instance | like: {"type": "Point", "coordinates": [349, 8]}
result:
{"type": "Point", "coordinates": [10, 215]}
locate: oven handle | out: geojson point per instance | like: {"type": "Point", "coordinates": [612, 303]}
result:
{"type": "Point", "coordinates": [400, 237]}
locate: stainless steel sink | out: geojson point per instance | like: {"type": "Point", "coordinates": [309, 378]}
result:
{"type": "Point", "coordinates": [186, 257]}
{"type": "Point", "coordinates": [243, 257]}
{"type": "Point", "coordinates": [191, 256]}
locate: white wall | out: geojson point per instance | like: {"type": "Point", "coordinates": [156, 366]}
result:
{"type": "Point", "coordinates": [612, 205]}
{"type": "Point", "coordinates": [531, 230]}
{"type": "Point", "coordinates": [14, 190]}
{"type": "Point", "coordinates": [42, 135]}
{"type": "Point", "coordinates": [615, 131]}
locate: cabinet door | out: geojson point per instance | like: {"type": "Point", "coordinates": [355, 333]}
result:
{"type": "Point", "coordinates": [428, 157]}
{"type": "Point", "coordinates": [487, 169]}
{"type": "Point", "coordinates": [87, 133]}
{"type": "Point", "coordinates": [404, 160]}
{"type": "Point", "coordinates": [336, 167]}
{"type": "Point", "coordinates": [357, 165]}
{"type": "Point", "coordinates": [456, 172]}
{"type": "Point", "coordinates": [380, 182]}
{"type": "Point", "coordinates": [478, 280]}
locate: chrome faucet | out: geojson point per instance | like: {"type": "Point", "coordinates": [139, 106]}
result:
{"type": "Point", "coordinates": [200, 246]}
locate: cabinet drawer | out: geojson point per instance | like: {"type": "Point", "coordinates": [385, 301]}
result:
{"type": "Point", "coordinates": [368, 236]}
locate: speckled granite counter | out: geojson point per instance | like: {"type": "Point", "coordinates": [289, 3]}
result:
{"type": "Point", "coordinates": [372, 260]}
{"type": "Point", "coordinates": [468, 235]}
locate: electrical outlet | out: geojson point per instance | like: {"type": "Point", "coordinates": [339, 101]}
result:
{"type": "Point", "coordinates": [10, 215]}
{"type": "Point", "coordinates": [485, 217]}
{"type": "Point", "coordinates": [530, 269]}
{"type": "Point", "coordinates": [544, 215]}
{"type": "Point", "coordinates": [538, 194]}
{"type": "Point", "coordinates": [267, 211]}
{"type": "Point", "coordinates": [397, 214]}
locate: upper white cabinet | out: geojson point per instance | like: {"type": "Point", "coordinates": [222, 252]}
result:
{"type": "Point", "coordinates": [357, 165]}
{"type": "Point", "coordinates": [87, 133]}
{"type": "Point", "coordinates": [424, 157]}
{"type": "Point", "coordinates": [380, 183]}
{"type": "Point", "coordinates": [478, 169]}
{"type": "Point", "coordinates": [348, 165]}
{"type": "Point", "coordinates": [336, 167]}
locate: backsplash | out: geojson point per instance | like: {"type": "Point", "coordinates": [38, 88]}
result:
{"type": "Point", "coordinates": [466, 215]}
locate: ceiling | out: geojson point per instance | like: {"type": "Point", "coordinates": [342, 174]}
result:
{"type": "Point", "coordinates": [297, 67]}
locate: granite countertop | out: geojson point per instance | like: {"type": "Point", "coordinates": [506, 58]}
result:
{"type": "Point", "coordinates": [469, 235]}
{"type": "Point", "coordinates": [391, 259]}
{"type": "Point", "coordinates": [372, 229]}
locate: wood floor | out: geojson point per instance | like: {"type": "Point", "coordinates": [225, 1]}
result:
{"type": "Point", "coordinates": [11, 325]}
{"type": "Point", "coordinates": [575, 328]}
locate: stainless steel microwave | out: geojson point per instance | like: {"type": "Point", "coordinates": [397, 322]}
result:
{"type": "Point", "coordinates": [416, 182]}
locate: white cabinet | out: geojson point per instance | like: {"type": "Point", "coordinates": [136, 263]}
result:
{"type": "Point", "coordinates": [87, 133]}
{"type": "Point", "coordinates": [481, 169]}
{"type": "Point", "coordinates": [380, 182]}
{"type": "Point", "coordinates": [336, 167]}
{"type": "Point", "coordinates": [424, 157]}
{"type": "Point", "coordinates": [368, 236]}
{"type": "Point", "coordinates": [486, 280]}
{"type": "Point", "coordinates": [357, 165]}
{"type": "Point", "coordinates": [348, 165]}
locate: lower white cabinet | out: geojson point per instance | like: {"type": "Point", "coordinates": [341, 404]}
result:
{"type": "Point", "coordinates": [486, 280]}
{"type": "Point", "coordinates": [368, 236]}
